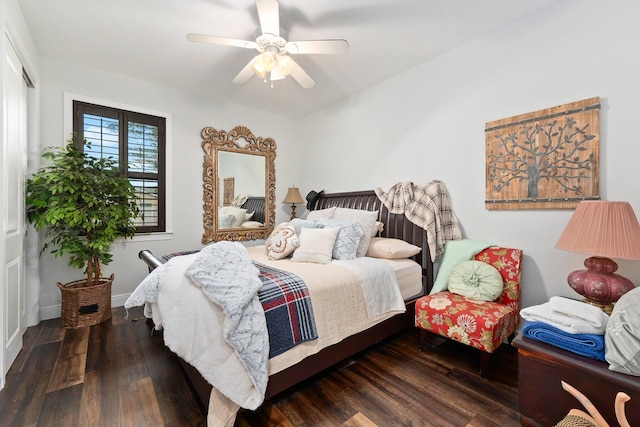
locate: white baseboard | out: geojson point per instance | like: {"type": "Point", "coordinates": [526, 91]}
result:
{"type": "Point", "coordinates": [53, 311]}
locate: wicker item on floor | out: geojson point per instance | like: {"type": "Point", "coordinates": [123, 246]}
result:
{"type": "Point", "coordinates": [576, 418]}
{"type": "Point", "coordinates": [83, 305]}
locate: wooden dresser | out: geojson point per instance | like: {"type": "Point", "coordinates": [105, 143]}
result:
{"type": "Point", "coordinates": [543, 401]}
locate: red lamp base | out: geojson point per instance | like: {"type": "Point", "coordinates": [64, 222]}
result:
{"type": "Point", "coordinates": [598, 283]}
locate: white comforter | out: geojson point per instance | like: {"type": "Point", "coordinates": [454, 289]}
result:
{"type": "Point", "coordinates": [338, 302]}
{"type": "Point", "coordinates": [219, 329]}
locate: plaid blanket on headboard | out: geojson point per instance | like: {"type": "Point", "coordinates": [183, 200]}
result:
{"type": "Point", "coordinates": [287, 308]}
{"type": "Point", "coordinates": [428, 207]}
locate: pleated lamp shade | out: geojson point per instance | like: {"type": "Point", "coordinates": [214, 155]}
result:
{"type": "Point", "coordinates": [602, 228]}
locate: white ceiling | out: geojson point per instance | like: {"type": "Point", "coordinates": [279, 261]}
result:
{"type": "Point", "coordinates": [145, 39]}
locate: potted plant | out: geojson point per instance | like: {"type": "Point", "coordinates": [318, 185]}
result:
{"type": "Point", "coordinates": [83, 204]}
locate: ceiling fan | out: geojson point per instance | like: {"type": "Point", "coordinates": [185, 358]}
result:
{"type": "Point", "coordinates": [273, 58]}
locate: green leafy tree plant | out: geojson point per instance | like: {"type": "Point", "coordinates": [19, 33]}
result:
{"type": "Point", "coordinates": [83, 204]}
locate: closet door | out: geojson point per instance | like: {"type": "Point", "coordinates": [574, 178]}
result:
{"type": "Point", "coordinates": [13, 162]}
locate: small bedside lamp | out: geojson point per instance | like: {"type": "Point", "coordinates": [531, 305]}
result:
{"type": "Point", "coordinates": [602, 229]}
{"type": "Point", "coordinates": [293, 197]}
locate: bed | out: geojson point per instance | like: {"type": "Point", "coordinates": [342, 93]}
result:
{"type": "Point", "coordinates": [394, 226]}
{"type": "Point", "coordinates": [249, 214]}
{"type": "Point", "coordinates": [257, 206]}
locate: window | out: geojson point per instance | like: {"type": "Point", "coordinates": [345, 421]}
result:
{"type": "Point", "coordinates": [137, 141]}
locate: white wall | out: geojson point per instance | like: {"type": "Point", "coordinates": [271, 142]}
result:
{"type": "Point", "coordinates": [189, 115]}
{"type": "Point", "coordinates": [428, 123]}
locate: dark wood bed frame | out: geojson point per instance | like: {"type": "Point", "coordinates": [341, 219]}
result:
{"type": "Point", "coordinates": [257, 206]}
{"type": "Point", "coordinates": [395, 226]}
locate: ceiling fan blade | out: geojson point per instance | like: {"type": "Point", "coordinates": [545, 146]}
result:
{"type": "Point", "coordinates": [318, 46]}
{"type": "Point", "coordinates": [301, 76]}
{"type": "Point", "coordinates": [201, 38]}
{"type": "Point", "coordinates": [245, 74]}
{"type": "Point", "coordinates": [269, 15]}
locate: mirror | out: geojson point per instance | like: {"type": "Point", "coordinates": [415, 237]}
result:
{"type": "Point", "coordinates": [239, 185]}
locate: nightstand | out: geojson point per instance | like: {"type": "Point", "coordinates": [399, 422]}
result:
{"type": "Point", "coordinates": [543, 401]}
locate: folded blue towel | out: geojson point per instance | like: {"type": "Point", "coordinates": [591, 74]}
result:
{"type": "Point", "coordinates": [588, 345]}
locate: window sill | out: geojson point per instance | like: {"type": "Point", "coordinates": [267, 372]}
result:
{"type": "Point", "coordinates": [149, 237]}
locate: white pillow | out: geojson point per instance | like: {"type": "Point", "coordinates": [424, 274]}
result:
{"type": "Point", "coordinates": [282, 243]}
{"type": "Point", "coordinates": [348, 237]}
{"type": "Point", "coordinates": [280, 226]}
{"type": "Point", "coordinates": [622, 337]}
{"type": "Point", "coordinates": [316, 245]}
{"type": "Point", "coordinates": [378, 227]}
{"type": "Point", "coordinates": [385, 247]}
{"type": "Point", "coordinates": [225, 220]}
{"type": "Point", "coordinates": [299, 224]}
{"type": "Point", "coordinates": [238, 215]}
{"type": "Point", "coordinates": [366, 219]}
{"type": "Point", "coordinates": [276, 229]}
{"type": "Point", "coordinates": [252, 224]}
{"type": "Point", "coordinates": [322, 213]}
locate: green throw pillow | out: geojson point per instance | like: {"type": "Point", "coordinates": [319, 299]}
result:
{"type": "Point", "coordinates": [455, 252]}
{"type": "Point", "coordinates": [476, 280]}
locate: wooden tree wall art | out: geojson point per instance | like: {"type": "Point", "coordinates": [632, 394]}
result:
{"type": "Point", "coordinates": [545, 159]}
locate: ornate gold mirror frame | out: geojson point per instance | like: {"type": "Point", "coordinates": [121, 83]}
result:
{"type": "Point", "coordinates": [242, 141]}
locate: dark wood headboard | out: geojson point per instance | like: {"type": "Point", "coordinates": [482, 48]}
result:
{"type": "Point", "coordinates": [395, 225]}
{"type": "Point", "coordinates": [257, 206]}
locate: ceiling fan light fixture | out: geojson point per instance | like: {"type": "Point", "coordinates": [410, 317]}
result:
{"type": "Point", "coordinates": [262, 64]}
{"type": "Point", "coordinates": [267, 60]}
{"type": "Point", "coordinates": [272, 60]}
{"type": "Point", "coordinates": [284, 65]}
{"type": "Point", "coordinates": [257, 68]}
{"type": "Point", "coordinates": [276, 75]}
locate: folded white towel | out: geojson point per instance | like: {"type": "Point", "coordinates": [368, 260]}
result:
{"type": "Point", "coordinates": [579, 310]}
{"type": "Point", "coordinates": [570, 316]}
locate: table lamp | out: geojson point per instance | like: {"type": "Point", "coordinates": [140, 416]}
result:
{"type": "Point", "coordinates": [293, 197]}
{"type": "Point", "coordinates": [604, 230]}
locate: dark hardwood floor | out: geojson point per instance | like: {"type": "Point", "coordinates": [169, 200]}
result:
{"type": "Point", "coordinates": [119, 374]}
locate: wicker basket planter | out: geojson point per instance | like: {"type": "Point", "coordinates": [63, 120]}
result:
{"type": "Point", "coordinates": [83, 305]}
{"type": "Point", "coordinates": [82, 204]}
